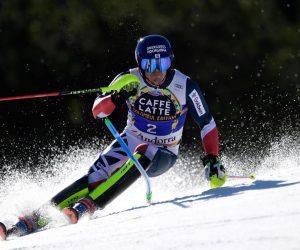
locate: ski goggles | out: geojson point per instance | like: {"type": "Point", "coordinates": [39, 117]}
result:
{"type": "Point", "coordinates": [161, 64]}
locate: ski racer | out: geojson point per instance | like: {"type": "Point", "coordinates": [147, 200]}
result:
{"type": "Point", "coordinates": [157, 107]}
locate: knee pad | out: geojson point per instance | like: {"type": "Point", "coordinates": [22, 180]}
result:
{"type": "Point", "coordinates": [161, 163]}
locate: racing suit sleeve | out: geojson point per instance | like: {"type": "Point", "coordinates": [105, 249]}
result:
{"type": "Point", "coordinates": [198, 109]}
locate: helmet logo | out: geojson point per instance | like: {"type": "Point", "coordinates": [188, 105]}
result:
{"type": "Point", "coordinates": [156, 49]}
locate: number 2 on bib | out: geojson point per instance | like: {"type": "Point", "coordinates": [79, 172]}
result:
{"type": "Point", "coordinates": [151, 128]}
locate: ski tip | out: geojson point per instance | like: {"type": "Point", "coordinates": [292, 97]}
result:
{"type": "Point", "coordinates": [3, 232]}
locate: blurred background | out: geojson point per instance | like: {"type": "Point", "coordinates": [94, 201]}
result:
{"type": "Point", "coordinates": [244, 54]}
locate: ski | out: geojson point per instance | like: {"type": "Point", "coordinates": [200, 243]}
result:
{"type": "Point", "coordinates": [3, 231]}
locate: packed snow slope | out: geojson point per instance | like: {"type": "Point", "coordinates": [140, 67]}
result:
{"type": "Point", "coordinates": [185, 214]}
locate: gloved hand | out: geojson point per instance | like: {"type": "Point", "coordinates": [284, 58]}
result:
{"type": "Point", "coordinates": [106, 104]}
{"type": "Point", "coordinates": [122, 96]}
{"type": "Point", "coordinates": [214, 171]}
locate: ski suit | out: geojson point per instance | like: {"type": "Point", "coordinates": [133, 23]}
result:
{"type": "Point", "coordinates": [156, 117]}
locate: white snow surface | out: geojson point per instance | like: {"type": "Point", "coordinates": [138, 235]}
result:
{"type": "Point", "coordinates": [185, 214]}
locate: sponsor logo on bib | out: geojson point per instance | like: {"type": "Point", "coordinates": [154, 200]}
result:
{"type": "Point", "coordinates": [157, 140]}
{"type": "Point", "coordinates": [155, 107]}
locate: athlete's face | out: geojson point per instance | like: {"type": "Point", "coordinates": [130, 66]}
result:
{"type": "Point", "coordinates": [157, 77]}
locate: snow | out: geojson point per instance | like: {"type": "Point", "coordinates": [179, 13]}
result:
{"type": "Point", "coordinates": [244, 214]}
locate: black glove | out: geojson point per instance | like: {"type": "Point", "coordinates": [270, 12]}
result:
{"type": "Point", "coordinates": [122, 96]}
{"type": "Point", "coordinates": [213, 167]}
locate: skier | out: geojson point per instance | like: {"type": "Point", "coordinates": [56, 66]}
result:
{"type": "Point", "coordinates": [157, 107]}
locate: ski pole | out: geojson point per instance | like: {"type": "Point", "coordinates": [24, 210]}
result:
{"type": "Point", "coordinates": [250, 176]}
{"type": "Point", "coordinates": [34, 96]}
{"type": "Point", "coordinates": [130, 155]}
{"type": "Point", "coordinates": [123, 81]}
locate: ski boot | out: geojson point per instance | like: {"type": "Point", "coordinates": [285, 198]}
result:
{"type": "Point", "coordinates": [25, 225]}
{"type": "Point", "coordinates": [83, 206]}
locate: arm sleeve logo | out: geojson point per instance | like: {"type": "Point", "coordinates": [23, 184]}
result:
{"type": "Point", "coordinates": [197, 102]}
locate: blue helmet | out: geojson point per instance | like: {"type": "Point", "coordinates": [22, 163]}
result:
{"type": "Point", "coordinates": [154, 52]}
